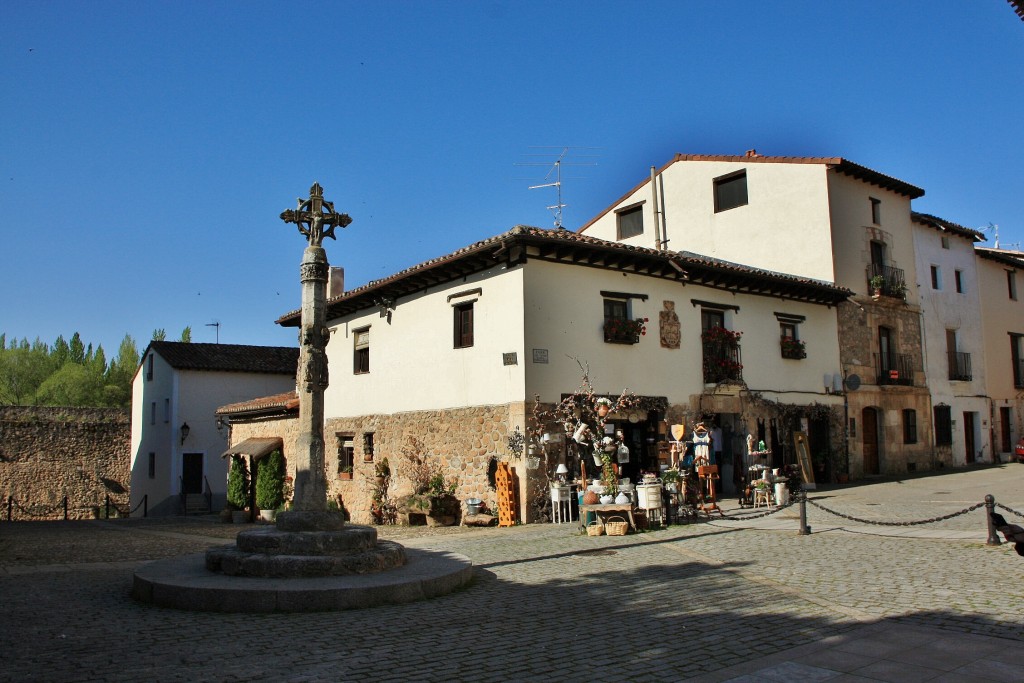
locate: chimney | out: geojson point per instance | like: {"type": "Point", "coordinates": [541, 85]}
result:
{"type": "Point", "coordinates": [752, 153]}
{"type": "Point", "coordinates": [335, 282]}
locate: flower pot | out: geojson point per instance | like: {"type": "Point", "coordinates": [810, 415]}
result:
{"type": "Point", "coordinates": [268, 515]}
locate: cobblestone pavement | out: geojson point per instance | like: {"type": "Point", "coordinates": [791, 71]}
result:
{"type": "Point", "coordinates": [724, 600]}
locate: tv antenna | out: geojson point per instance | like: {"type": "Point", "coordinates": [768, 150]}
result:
{"type": "Point", "coordinates": [994, 229]}
{"type": "Point", "coordinates": [555, 171]}
{"type": "Point", "coordinates": [215, 323]}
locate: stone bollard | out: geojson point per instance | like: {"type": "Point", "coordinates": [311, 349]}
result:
{"type": "Point", "coordinates": [804, 529]}
{"type": "Point", "coordinates": [990, 507]}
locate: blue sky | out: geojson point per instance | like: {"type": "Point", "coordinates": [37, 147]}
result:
{"type": "Point", "coordinates": [147, 148]}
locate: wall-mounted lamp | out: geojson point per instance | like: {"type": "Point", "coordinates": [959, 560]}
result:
{"type": "Point", "coordinates": [185, 429]}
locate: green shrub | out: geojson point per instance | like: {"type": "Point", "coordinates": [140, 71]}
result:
{"type": "Point", "coordinates": [270, 482]}
{"type": "Point", "coordinates": [238, 483]}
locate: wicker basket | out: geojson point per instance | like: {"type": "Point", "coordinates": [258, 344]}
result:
{"type": "Point", "coordinates": [595, 528]}
{"type": "Point", "coordinates": [616, 526]}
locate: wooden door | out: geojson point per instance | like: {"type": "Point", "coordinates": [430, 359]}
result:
{"type": "Point", "coordinates": [969, 437]}
{"type": "Point", "coordinates": [192, 473]}
{"type": "Point", "coordinates": [869, 428]}
{"type": "Point", "coordinates": [1005, 442]}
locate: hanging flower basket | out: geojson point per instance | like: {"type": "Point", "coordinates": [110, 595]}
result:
{"type": "Point", "coordinates": [532, 462]}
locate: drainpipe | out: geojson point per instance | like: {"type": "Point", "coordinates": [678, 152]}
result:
{"type": "Point", "coordinates": [659, 243]}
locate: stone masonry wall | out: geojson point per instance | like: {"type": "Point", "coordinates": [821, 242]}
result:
{"type": "Point", "coordinates": [462, 440]}
{"type": "Point", "coordinates": [48, 453]}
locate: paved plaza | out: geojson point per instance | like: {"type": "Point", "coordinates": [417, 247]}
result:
{"type": "Point", "coordinates": [725, 600]}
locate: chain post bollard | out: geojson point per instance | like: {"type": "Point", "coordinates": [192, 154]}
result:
{"type": "Point", "coordinates": [65, 508]}
{"type": "Point", "coordinates": [990, 507]}
{"type": "Point", "coordinates": [107, 507]}
{"type": "Point", "coordinates": [804, 529]}
{"type": "Point", "coordinates": [10, 508]}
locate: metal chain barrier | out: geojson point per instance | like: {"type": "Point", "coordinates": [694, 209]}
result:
{"type": "Point", "coordinates": [880, 523]}
{"type": "Point", "coordinates": [38, 510]}
{"type": "Point", "coordinates": [1009, 509]}
{"type": "Point", "coordinates": [756, 515]}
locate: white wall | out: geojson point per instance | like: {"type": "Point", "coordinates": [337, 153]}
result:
{"type": "Point", "coordinates": [783, 228]}
{"type": "Point", "coordinates": [944, 309]}
{"type": "Point", "coordinates": [567, 321]}
{"type": "Point", "coordinates": [413, 365]}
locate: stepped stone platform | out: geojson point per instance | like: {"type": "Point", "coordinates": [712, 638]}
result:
{"type": "Point", "coordinates": [297, 570]}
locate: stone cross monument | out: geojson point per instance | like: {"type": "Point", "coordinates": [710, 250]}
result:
{"type": "Point", "coordinates": [316, 219]}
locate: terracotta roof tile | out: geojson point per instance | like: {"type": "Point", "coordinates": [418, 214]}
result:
{"type": "Point", "coordinates": [284, 402]}
{"type": "Point", "coordinates": [943, 225]}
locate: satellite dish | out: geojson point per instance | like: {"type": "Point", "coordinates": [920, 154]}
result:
{"type": "Point", "coordinates": [853, 382]}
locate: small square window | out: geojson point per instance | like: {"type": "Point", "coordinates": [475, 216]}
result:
{"type": "Point", "coordinates": [152, 465]}
{"type": "Point", "coordinates": [1011, 284]}
{"type": "Point", "coordinates": [149, 368]}
{"type": "Point", "coordinates": [152, 413]}
{"type": "Point", "coordinates": [945, 242]}
{"type": "Point", "coordinates": [346, 453]}
{"type": "Point", "coordinates": [361, 355]}
{"type": "Point", "coordinates": [876, 211]}
{"type": "Point", "coordinates": [630, 222]}
{"type": "Point", "coordinates": [368, 447]}
{"type": "Point", "coordinates": [958, 276]}
{"type": "Point", "coordinates": [730, 191]}
{"type": "Point", "coordinates": [936, 278]}
{"type": "Point", "coordinates": [463, 314]}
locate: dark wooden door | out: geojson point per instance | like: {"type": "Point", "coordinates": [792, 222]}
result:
{"type": "Point", "coordinates": [192, 473]}
{"type": "Point", "coordinates": [869, 427]}
{"type": "Point", "coordinates": [969, 436]}
{"type": "Point", "coordinates": [1004, 430]}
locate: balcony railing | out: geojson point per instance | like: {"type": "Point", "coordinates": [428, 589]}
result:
{"type": "Point", "coordinates": [959, 366]}
{"type": "Point", "coordinates": [722, 363]}
{"type": "Point", "coordinates": [894, 368]}
{"type": "Point", "coordinates": [894, 283]}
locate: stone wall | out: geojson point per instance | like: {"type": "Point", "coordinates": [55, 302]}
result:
{"type": "Point", "coordinates": [463, 441]}
{"type": "Point", "coordinates": [49, 453]}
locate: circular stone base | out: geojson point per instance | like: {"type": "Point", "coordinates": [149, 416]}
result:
{"type": "Point", "coordinates": [310, 520]}
{"type": "Point", "coordinates": [235, 561]}
{"type": "Point", "coordinates": [185, 583]}
{"type": "Point", "coordinates": [273, 541]}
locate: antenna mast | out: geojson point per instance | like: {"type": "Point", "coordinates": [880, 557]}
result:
{"type": "Point", "coordinates": [556, 171]}
{"type": "Point", "coordinates": [216, 325]}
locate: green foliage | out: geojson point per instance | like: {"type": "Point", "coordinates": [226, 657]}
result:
{"type": "Point", "coordinates": [270, 482]}
{"type": "Point", "coordinates": [68, 374]}
{"type": "Point", "coordinates": [186, 335]}
{"type": "Point", "coordinates": [238, 483]}
{"type": "Point", "coordinates": [159, 334]}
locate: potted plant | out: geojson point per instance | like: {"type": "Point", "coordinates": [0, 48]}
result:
{"type": "Point", "coordinates": [238, 488]}
{"type": "Point", "coordinates": [270, 485]}
{"type": "Point", "coordinates": [670, 479]}
{"type": "Point", "coordinates": [793, 348]}
{"type": "Point", "coordinates": [345, 472]}
{"type": "Point", "coordinates": [877, 282]}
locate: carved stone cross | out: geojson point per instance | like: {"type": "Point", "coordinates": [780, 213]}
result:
{"type": "Point", "coordinates": [312, 220]}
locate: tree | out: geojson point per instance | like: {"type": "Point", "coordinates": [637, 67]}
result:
{"type": "Point", "coordinates": [22, 371]}
{"type": "Point", "coordinates": [61, 352]}
{"type": "Point", "coordinates": [238, 483]}
{"type": "Point", "coordinates": [270, 482]}
{"type": "Point", "coordinates": [72, 385]}
{"type": "Point", "coordinates": [159, 334]}
{"type": "Point", "coordinates": [186, 335]}
{"type": "Point", "coordinates": [77, 350]}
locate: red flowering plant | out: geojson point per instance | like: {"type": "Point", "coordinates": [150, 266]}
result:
{"type": "Point", "coordinates": [721, 354]}
{"type": "Point", "coordinates": [793, 348]}
{"type": "Point", "coordinates": [624, 330]}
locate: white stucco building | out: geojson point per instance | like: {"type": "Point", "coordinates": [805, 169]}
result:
{"type": "Point", "coordinates": [950, 295]}
{"type": "Point", "coordinates": [176, 441]}
{"type": "Point", "coordinates": [1001, 274]}
{"type": "Point", "coordinates": [446, 358]}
